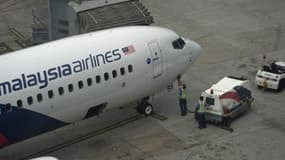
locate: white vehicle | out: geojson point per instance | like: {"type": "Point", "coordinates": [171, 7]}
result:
{"type": "Point", "coordinates": [272, 76]}
{"type": "Point", "coordinates": [227, 99]}
{"type": "Point", "coordinates": [55, 84]}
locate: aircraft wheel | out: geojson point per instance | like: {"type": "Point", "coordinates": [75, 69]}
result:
{"type": "Point", "coordinates": [145, 108]}
{"type": "Point", "coordinates": [148, 109]}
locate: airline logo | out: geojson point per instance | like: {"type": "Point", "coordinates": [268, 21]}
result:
{"type": "Point", "coordinates": [42, 78]}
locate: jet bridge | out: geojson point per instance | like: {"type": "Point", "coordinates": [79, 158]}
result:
{"type": "Point", "coordinates": [121, 14]}
{"type": "Point", "coordinates": [68, 17]}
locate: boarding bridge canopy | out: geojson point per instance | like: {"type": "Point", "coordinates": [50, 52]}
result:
{"type": "Point", "coordinates": [120, 14]}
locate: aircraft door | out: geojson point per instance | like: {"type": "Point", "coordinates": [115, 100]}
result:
{"type": "Point", "coordinates": [156, 58]}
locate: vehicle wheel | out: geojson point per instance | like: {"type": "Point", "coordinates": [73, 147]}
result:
{"type": "Point", "coordinates": [280, 87]}
{"type": "Point", "coordinates": [259, 87]}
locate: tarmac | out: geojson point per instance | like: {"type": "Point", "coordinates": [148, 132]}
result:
{"type": "Point", "coordinates": [234, 36]}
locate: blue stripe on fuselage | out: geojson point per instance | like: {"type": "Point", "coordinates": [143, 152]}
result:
{"type": "Point", "coordinates": [21, 124]}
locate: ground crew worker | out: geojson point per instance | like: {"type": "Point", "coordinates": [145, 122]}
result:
{"type": "Point", "coordinates": [200, 108]}
{"type": "Point", "coordinates": [183, 99]}
{"type": "Point", "coordinates": [263, 62]}
{"type": "Point", "coordinates": [265, 84]}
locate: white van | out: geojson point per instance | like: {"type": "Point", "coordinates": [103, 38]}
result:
{"type": "Point", "coordinates": [227, 99]}
{"type": "Point", "coordinates": [273, 76]}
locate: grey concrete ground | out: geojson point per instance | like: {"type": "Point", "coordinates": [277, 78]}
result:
{"type": "Point", "coordinates": [234, 35]}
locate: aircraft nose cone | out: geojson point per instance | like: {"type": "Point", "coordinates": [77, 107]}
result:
{"type": "Point", "coordinates": [196, 49]}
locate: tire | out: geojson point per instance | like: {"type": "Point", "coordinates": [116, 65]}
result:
{"type": "Point", "coordinates": [148, 109]}
{"type": "Point", "coordinates": [279, 88]}
{"type": "Point", "coordinates": [145, 108]}
{"type": "Point", "coordinates": [281, 85]}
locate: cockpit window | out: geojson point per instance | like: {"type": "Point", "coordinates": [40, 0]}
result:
{"type": "Point", "coordinates": [178, 44]}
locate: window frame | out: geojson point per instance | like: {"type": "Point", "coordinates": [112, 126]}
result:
{"type": "Point", "coordinates": [98, 79]}
{"type": "Point", "coordinates": [114, 73]}
{"type": "Point", "coordinates": [130, 68]}
{"type": "Point", "coordinates": [210, 101]}
{"type": "Point", "coordinates": [30, 100]}
{"type": "Point", "coordinates": [178, 44]}
{"type": "Point", "coordinates": [50, 94]}
{"type": "Point", "coordinates": [21, 103]}
{"type": "Point", "coordinates": [60, 91]}
{"type": "Point", "coordinates": [106, 76]}
{"type": "Point", "coordinates": [70, 87]}
{"type": "Point", "coordinates": [39, 97]}
{"type": "Point", "coordinates": [122, 71]}
{"type": "Point", "coordinates": [89, 81]}
{"type": "Point", "coordinates": [80, 84]}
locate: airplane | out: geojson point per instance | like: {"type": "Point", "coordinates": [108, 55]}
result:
{"type": "Point", "coordinates": [49, 86]}
{"type": "Point", "coordinates": [45, 158]}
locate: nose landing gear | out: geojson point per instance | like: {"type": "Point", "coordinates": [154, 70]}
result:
{"type": "Point", "coordinates": [144, 107]}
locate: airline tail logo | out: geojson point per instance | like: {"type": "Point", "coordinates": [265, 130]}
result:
{"type": "Point", "coordinates": [129, 50]}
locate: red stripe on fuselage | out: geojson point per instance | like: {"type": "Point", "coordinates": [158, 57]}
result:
{"type": "Point", "coordinates": [3, 141]}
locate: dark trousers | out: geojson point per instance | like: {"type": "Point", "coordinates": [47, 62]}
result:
{"type": "Point", "coordinates": [202, 120]}
{"type": "Point", "coordinates": [226, 121]}
{"type": "Point", "coordinates": [183, 106]}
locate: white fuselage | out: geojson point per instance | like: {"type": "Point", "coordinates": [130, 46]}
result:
{"type": "Point", "coordinates": [54, 84]}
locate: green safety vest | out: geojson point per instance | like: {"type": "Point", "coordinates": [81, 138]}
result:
{"type": "Point", "coordinates": [201, 108]}
{"type": "Point", "coordinates": [183, 93]}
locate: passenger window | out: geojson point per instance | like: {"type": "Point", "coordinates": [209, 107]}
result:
{"type": "Point", "coordinates": [50, 94]}
{"type": "Point", "coordinates": [80, 84]}
{"type": "Point", "coordinates": [122, 70]}
{"type": "Point", "coordinates": [114, 73]}
{"type": "Point", "coordinates": [130, 68]}
{"type": "Point", "coordinates": [40, 97]}
{"type": "Point", "coordinates": [19, 103]}
{"type": "Point", "coordinates": [89, 81]}
{"type": "Point", "coordinates": [8, 107]}
{"type": "Point", "coordinates": [30, 100]}
{"type": "Point", "coordinates": [98, 79]}
{"type": "Point", "coordinates": [60, 91]}
{"type": "Point", "coordinates": [70, 87]}
{"type": "Point", "coordinates": [106, 76]}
